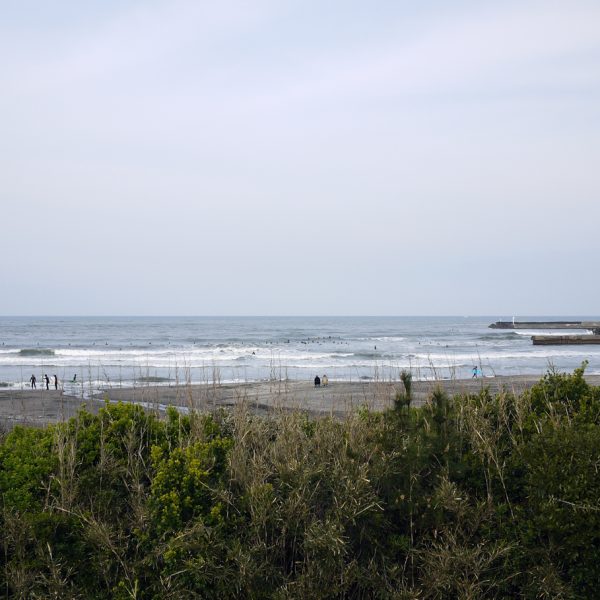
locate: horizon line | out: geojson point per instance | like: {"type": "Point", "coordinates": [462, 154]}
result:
{"type": "Point", "coordinates": [284, 316]}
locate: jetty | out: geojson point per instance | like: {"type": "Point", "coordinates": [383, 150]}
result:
{"type": "Point", "coordinates": [590, 325]}
{"type": "Point", "coordinates": [556, 340]}
{"type": "Point", "coordinates": [559, 340]}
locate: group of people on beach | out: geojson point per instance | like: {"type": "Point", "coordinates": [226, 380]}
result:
{"type": "Point", "coordinates": [33, 381]}
{"type": "Point", "coordinates": [321, 381]}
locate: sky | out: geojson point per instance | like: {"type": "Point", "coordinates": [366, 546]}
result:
{"type": "Point", "coordinates": [299, 158]}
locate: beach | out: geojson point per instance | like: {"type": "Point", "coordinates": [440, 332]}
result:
{"type": "Point", "coordinates": [265, 363]}
{"type": "Point", "coordinates": [101, 352]}
{"type": "Point", "coordinates": [40, 407]}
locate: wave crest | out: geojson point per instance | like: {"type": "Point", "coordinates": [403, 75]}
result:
{"type": "Point", "coordinates": [36, 352]}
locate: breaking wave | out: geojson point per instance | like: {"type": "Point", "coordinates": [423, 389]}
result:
{"type": "Point", "coordinates": [36, 352]}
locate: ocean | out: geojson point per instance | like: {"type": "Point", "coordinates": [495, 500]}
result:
{"type": "Point", "coordinates": [99, 352]}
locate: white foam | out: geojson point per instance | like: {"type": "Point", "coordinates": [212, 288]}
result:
{"type": "Point", "coordinates": [530, 332]}
{"type": "Point", "coordinates": [383, 338]}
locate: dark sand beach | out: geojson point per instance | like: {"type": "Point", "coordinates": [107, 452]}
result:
{"type": "Point", "coordinates": [38, 407]}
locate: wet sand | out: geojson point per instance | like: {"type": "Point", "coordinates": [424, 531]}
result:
{"type": "Point", "coordinates": [38, 407]}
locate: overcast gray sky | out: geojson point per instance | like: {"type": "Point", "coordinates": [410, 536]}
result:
{"type": "Point", "coordinates": [297, 157]}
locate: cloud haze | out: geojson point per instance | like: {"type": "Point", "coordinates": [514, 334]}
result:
{"type": "Point", "coordinates": [293, 158]}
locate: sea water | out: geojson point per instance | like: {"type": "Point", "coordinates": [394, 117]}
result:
{"type": "Point", "coordinates": [128, 351]}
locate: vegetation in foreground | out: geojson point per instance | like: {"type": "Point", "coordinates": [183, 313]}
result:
{"type": "Point", "coordinates": [471, 497]}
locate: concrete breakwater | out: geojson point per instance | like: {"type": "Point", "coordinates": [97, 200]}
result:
{"type": "Point", "coordinates": [593, 326]}
{"type": "Point", "coordinates": [546, 325]}
{"type": "Point", "coordinates": [558, 340]}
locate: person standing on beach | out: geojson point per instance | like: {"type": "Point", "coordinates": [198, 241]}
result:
{"type": "Point", "coordinates": [33, 380]}
{"type": "Point", "coordinates": [317, 381]}
{"type": "Point", "coordinates": [475, 371]}
{"type": "Point", "coordinates": [55, 382]}
{"type": "Point", "coordinates": [47, 380]}
{"type": "Point", "coordinates": [325, 380]}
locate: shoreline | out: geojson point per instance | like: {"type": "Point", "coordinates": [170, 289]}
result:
{"type": "Point", "coordinates": [40, 407]}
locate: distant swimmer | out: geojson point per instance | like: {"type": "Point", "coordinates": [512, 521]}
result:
{"type": "Point", "coordinates": [74, 378]}
{"type": "Point", "coordinates": [47, 380]}
{"type": "Point", "coordinates": [33, 380]}
{"type": "Point", "coordinates": [55, 381]}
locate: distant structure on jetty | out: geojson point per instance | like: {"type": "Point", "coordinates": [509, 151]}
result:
{"type": "Point", "coordinates": [555, 340]}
